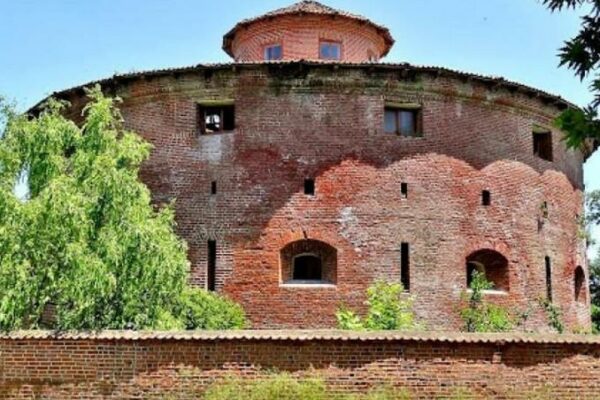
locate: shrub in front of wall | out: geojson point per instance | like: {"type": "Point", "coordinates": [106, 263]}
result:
{"type": "Point", "coordinates": [388, 309]}
{"type": "Point", "coordinates": [479, 315]}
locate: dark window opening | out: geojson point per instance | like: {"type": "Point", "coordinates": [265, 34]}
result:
{"type": "Point", "coordinates": [490, 263]}
{"type": "Point", "coordinates": [330, 50]}
{"type": "Point", "coordinates": [580, 290]}
{"type": "Point", "coordinates": [486, 198]}
{"type": "Point", "coordinates": [403, 121]}
{"type": "Point", "coordinates": [405, 266]}
{"type": "Point", "coordinates": [308, 261]}
{"type": "Point", "coordinates": [542, 145]}
{"type": "Point", "coordinates": [216, 119]}
{"type": "Point", "coordinates": [213, 187]}
{"type": "Point", "coordinates": [307, 267]}
{"type": "Point", "coordinates": [548, 279]}
{"type": "Point", "coordinates": [309, 187]}
{"type": "Point", "coordinates": [545, 210]}
{"type": "Point", "coordinates": [404, 190]}
{"type": "Point", "coordinates": [273, 52]}
{"type": "Point", "coordinates": [211, 266]}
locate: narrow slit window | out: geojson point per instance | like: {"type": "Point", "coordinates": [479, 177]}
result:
{"type": "Point", "coordinates": [403, 121]}
{"type": "Point", "coordinates": [404, 190]}
{"type": "Point", "coordinates": [211, 267]}
{"type": "Point", "coordinates": [548, 279]}
{"type": "Point", "coordinates": [486, 198]}
{"type": "Point", "coordinates": [542, 144]}
{"type": "Point", "coordinates": [580, 289]}
{"type": "Point", "coordinates": [213, 188]}
{"type": "Point", "coordinates": [309, 187]}
{"type": "Point", "coordinates": [405, 266]}
{"type": "Point", "coordinates": [273, 52]}
{"type": "Point", "coordinates": [215, 119]}
{"type": "Point", "coordinates": [329, 50]}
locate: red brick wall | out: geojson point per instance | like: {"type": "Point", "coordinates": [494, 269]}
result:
{"type": "Point", "coordinates": [479, 367]}
{"type": "Point", "coordinates": [300, 37]}
{"type": "Point", "coordinates": [297, 121]}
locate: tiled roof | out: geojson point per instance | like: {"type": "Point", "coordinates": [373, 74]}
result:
{"type": "Point", "coordinates": [306, 7]}
{"type": "Point", "coordinates": [400, 67]}
{"type": "Point", "coordinates": [310, 335]}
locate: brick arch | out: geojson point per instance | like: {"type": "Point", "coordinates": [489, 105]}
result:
{"type": "Point", "coordinates": [294, 252]}
{"type": "Point", "coordinates": [493, 264]}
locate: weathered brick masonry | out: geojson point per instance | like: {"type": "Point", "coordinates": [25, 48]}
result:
{"type": "Point", "coordinates": [299, 120]}
{"type": "Point", "coordinates": [117, 365]}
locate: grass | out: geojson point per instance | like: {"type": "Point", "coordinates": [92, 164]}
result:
{"type": "Point", "coordinates": [285, 387]}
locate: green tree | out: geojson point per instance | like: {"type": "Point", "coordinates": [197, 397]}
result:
{"type": "Point", "coordinates": [387, 310]}
{"type": "Point", "coordinates": [582, 55]}
{"type": "Point", "coordinates": [87, 239]}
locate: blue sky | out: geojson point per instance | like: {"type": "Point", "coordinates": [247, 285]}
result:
{"type": "Point", "coordinates": [49, 45]}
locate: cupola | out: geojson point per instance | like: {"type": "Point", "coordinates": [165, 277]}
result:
{"type": "Point", "coordinates": [308, 30]}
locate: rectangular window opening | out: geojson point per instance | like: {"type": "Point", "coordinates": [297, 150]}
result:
{"type": "Point", "coordinates": [542, 144]}
{"type": "Point", "coordinates": [404, 190]}
{"type": "Point", "coordinates": [211, 266]}
{"type": "Point", "coordinates": [273, 52]}
{"type": "Point", "coordinates": [309, 187]}
{"type": "Point", "coordinates": [548, 279]}
{"type": "Point", "coordinates": [213, 188]}
{"type": "Point", "coordinates": [486, 198]}
{"type": "Point", "coordinates": [215, 119]}
{"type": "Point", "coordinates": [405, 266]}
{"type": "Point", "coordinates": [403, 121]}
{"type": "Point", "coordinates": [329, 50]}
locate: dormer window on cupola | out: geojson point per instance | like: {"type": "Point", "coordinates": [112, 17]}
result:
{"type": "Point", "coordinates": [273, 52]}
{"type": "Point", "coordinates": [329, 50]}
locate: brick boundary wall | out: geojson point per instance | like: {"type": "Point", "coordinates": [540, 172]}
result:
{"type": "Point", "coordinates": [127, 365]}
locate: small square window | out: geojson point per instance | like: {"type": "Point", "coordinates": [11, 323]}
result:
{"type": "Point", "coordinates": [274, 52]}
{"type": "Point", "coordinates": [403, 121]}
{"type": "Point", "coordinates": [330, 50]}
{"type": "Point", "coordinates": [309, 187]}
{"type": "Point", "coordinates": [215, 119]}
{"type": "Point", "coordinates": [404, 190]}
{"type": "Point", "coordinates": [486, 198]}
{"type": "Point", "coordinates": [542, 144]}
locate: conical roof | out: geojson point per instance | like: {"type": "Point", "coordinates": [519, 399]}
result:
{"type": "Point", "coordinates": [306, 7]}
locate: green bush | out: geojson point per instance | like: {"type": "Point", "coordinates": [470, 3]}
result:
{"type": "Point", "coordinates": [553, 314]}
{"type": "Point", "coordinates": [480, 316]}
{"type": "Point", "coordinates": [205, 310]}
{"type": "Point", "coordinates": [387, 310]}
{"type": "Point", "coordinates": [285, 387]}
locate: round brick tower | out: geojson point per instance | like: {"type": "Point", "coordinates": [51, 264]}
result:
{"type": "Point", "coordinates": [306, 170]}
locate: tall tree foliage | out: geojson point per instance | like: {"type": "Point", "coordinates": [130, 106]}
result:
{"type": "Point", "coordinates": [582, 55]}
{"type": "Point", "coordinates": [87, 239]}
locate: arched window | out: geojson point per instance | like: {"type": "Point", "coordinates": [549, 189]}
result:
{"type": "Point", "coordinates": [308, 261]}
{"type": "Point", "coordinates": [580, 290]}
{"type": "Point", "coordinates": [492, 264]}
